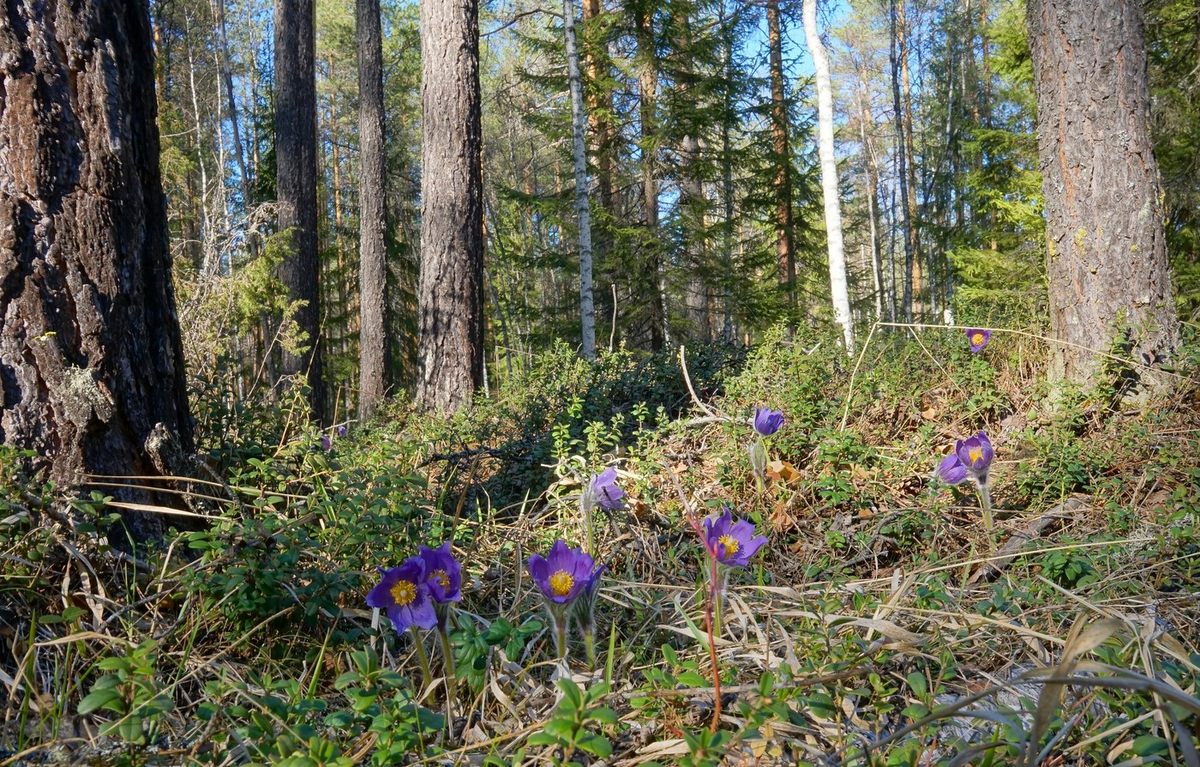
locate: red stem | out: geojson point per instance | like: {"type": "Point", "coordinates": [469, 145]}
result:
{"type": "Point", "coordinates": [709, 606]}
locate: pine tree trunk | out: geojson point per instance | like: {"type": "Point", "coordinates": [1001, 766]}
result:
{"type": "Point", "coordinates": [587, 309]}
{"type": "Point", "coordinates": [296, 182]}
{"type": "Point", "coordinates": [1109, 279]}
{"type": "Point", "coordinates": [450, 349]}
{"type": "Point", "coordinates": [372, 216]}
{"type": "Point", "coordinates": [784, 251]}
{"type": "Point", "coordinates": [91, 362]}
{"type": "Point", "coordinates": [838, 287]}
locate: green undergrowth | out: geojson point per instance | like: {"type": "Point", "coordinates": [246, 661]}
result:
{"type": "Point", "coordinates": [879, 626]}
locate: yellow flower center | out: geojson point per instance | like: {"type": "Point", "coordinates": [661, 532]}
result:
{"type": "Point", "coordinates": [977, 339]}
{"type": "Point", "coordinates": [975, 454]}
{"type": "Point", "coordinates": [404, 592]}
{"type": "Point", "coordinates": [561, 583]}
{"type": "Point", "coordinates": [441, 577]}
{"type": "Point", "coordinates": [730, 543]}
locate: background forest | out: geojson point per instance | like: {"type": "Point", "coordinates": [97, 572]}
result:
{"type": "Point", "coordinates": [706, 187]}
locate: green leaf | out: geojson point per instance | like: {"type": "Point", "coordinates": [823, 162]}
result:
{"type": "Point", "coordinates": [543, 739]}
{"type": "Point", "coordinates": [97, 700]}
{"type": "Point", "coordinates": [1148, 745]}
{"type": "Point", "coordinates": [693, 679]}
{"type": "Point", "coordinates": [916, 681]}
{"type": "Point", "coordinates": [596, 745]}
{"type": "Point", "coordinates": [603, 714]}
{"type": "Point", "coordinates": [573, 696]}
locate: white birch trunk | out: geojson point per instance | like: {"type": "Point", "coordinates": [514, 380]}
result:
{"type": "Point", "coordinates": [578, 124]}
{"type": "Point", "coordinates": [838, 288]}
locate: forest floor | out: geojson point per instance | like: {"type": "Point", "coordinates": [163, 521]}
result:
{"type": "Point", "coordinates": [883, 623]}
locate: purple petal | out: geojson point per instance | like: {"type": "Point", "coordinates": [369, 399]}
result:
{"type": "Point", "coordinates": [951, 470]}
{"type": "Point", "coordinates": [752, 546]}
{"type": "Point", "coordinates": [421, 612]}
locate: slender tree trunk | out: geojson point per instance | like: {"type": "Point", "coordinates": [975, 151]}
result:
{"type": "Point", "coordinates": [784, 251]}
{"type": "Point", "coordinates": [296, 182]}
{"type": "Point", "coordinates": [692, 199]}
{"type": "Point", "coordinates": [90, 353]}
{"type": "Point", "coordinates": [1109, 279]}
{"type": "Point", "coordinates": [838, 287]}
{"type": "Point", "coordinates": [911, 166]}
{"type": "Point", "coordinates": [598, 102]}
{"type": "Point", "coordinates": [727, 192]}
{"type": "Point", "coordinates": [231, 114]}
{"type": "Point", "coordinates": [648, 87]}
{"type": "Point", "coordinates": [372, 215]}
{"type": "Point", "coordinates": [450, 351]}
{"type": "Point", "coordinates": [872, 196]}
{"type": "Point", "coordinates": [587, 308]}
{"type": "Point", "coordinates": [901, 168]}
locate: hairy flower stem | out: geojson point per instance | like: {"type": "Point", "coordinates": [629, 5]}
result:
{"type": "Point", "coordinates": [709, 621]}
{"type": "Point", "coordinates": [985, 503]}
{"type": "Point", "coordinates": [451, 680]}
{"type": "Point", "coordinates": [589, 641]}
{"type": "Point", "coordinates": [422, 657]}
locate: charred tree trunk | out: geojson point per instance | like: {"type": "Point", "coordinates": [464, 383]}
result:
{"type": "Point", "coordinates": [91, 363]}
{"type": "Point", "coordinates": [296, 181]}
{"type": "Point", "coordinates": [1110, 283]}
{"type": "Point", "coordinates": [450, 352]}
{"type": "Point", "coordinates": [372, 216]}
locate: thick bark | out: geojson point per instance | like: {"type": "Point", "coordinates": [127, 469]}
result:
{"type": "Point", "coordinates": [587, 310]}
{"type": "Point", "coordinates": [784, 251]}
{"type": "Point", "coordinates": [450, 350]}
{"type": "Point", "coordinates": [838, 289]}
{"type": "Point", "coordinates": [1110, 283]}
{"type": "Point", "coordinates": [372, 217]}
{"type": "Point", "coordinates": [296, 181]}
{"type": "Point", "coordinates": [91, 363]}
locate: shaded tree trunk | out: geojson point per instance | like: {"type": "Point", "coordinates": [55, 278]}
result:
{"type": "Point", "coordinates": [1110, 283]}
{"type": "Point", "coordinates": [372, 216]}
{"type": "Point", "coordinates": [450, 349]}
{"type": "Point", "coordinates": [296, 182]}
{"type": "Point", "coordinates": [91, 362]}
{"type": "Point", "coordinates": [784, 250]}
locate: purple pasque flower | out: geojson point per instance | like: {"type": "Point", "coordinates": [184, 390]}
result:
{"type": "Point", "coordinates": [564, 573]}
{"type": "Point", "coordinates": [767, 421]}
{"type": "Point", "coordinates": [604, 489]}
{"type": "Point", "coordinates": [975, 454]}
{"type": "Point", "coordinates": [404, 593]}
{"type": "Point", "coordinates": [978, 339]}
{"type": "Point", "coordinates": [951, 470]}
{"type": "Point", "coordinates": [443, 573]}
{"type": "Point", "coordinates": [732, 543]}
